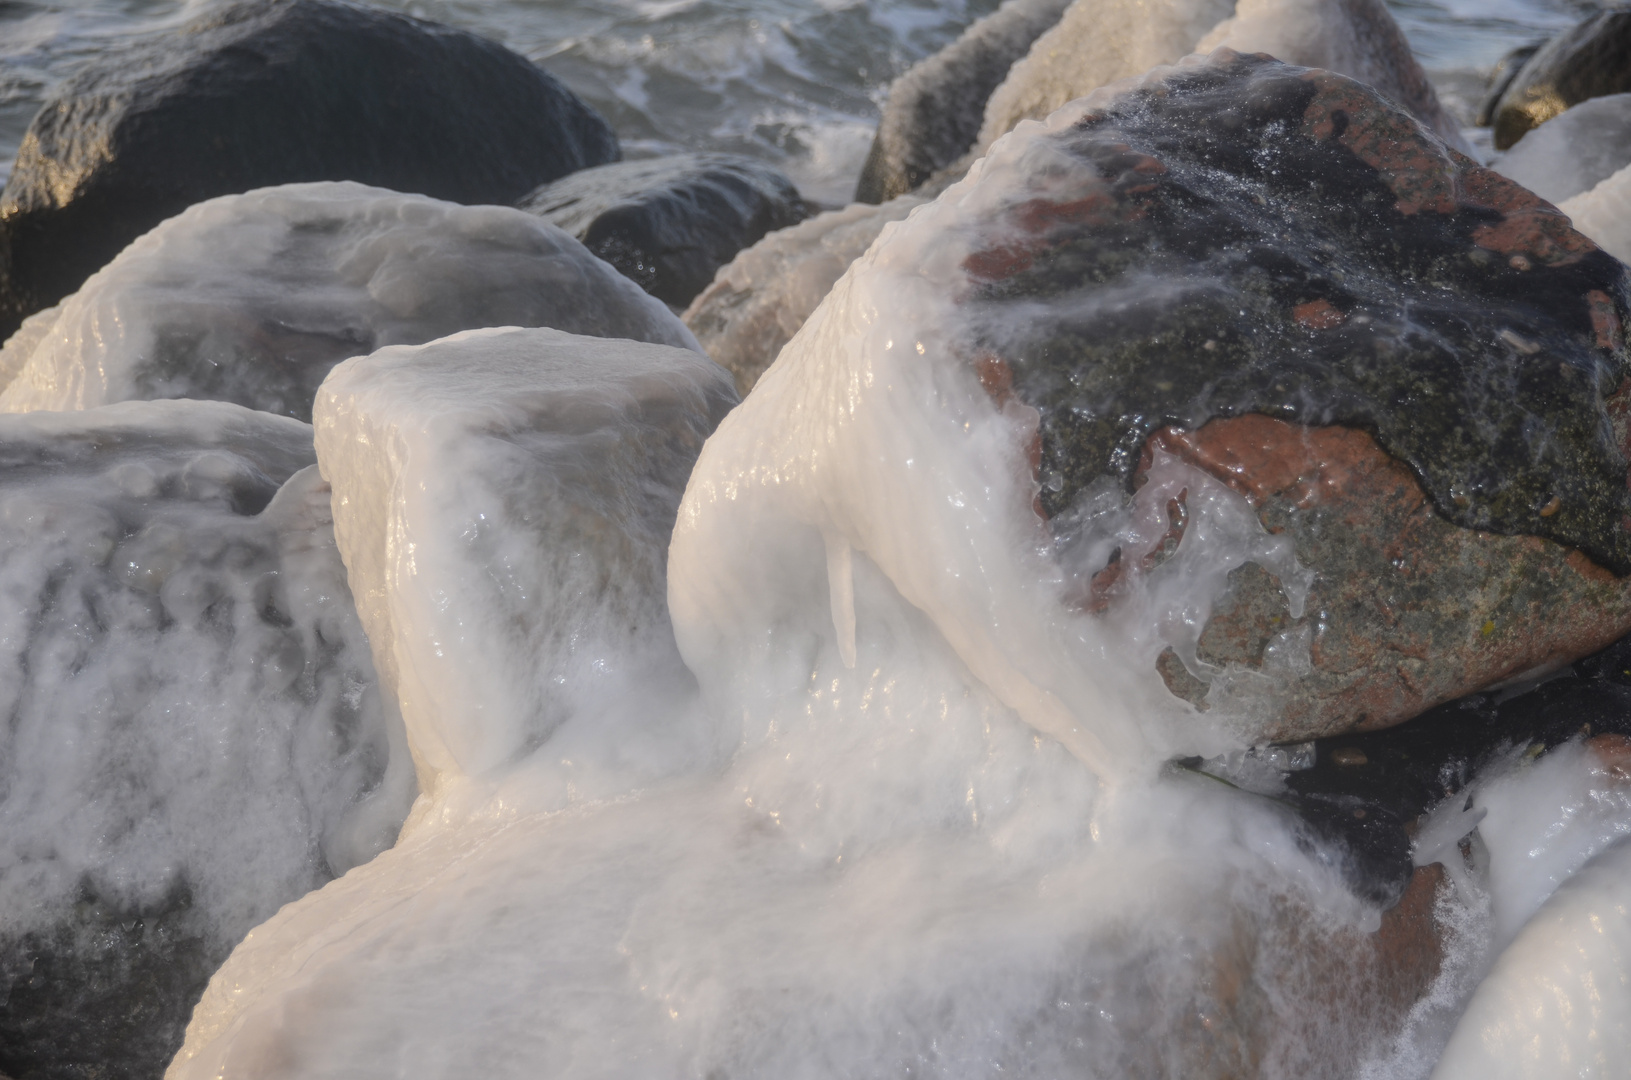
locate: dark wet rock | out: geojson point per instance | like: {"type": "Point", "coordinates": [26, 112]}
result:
{"type": "Point", "coordinates": [669, 223]}
{"type": "Point", "coordinates": [1398, 775]}
{"type": "Point", "coordinates": [1591, 60]}
{"type": "Point", "coordinates": [260, 93]}
{"type": "Point", "coordinates": [1500, 79]}
{"type": "Point", "coordinates": [759, 300]}
{"type": "Point", "coordinates": [194, 732]}
{"type": "Point", "coordinates": [1408, 365]}
{"type": "Point", "coordinates": [934, 111]}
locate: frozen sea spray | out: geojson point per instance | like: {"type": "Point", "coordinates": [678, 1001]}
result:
{"type": "Point", "coordinates": [504, 500]}
{"type": "Point", "coordinates": [852, 853]}
{"type": "Point", "coordinates": [253, 298]}
{"type": "Point", "coordinates": [194, 736]}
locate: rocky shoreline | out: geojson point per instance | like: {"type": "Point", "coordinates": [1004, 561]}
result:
{"type": "Point", "coordinates": [1324, 423]}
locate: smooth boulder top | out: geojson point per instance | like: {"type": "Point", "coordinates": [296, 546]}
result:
{"type": "Point", "coordinates": [1591, 60]}
{"type": "Point", "coordinates": [258, 93]}
{"type": "Point", "coordinates": [1352, 271]}
{"type": "Point", "coordinates": [504, 500]}
{"type": "Point", "coordinates": [194, 736]}
{"type": "Point", "coordinates": [253, 298]}
{"type": "Point", "coordinates": [933, 112]}
{"type": "Point", "coordinates": [669, 223]}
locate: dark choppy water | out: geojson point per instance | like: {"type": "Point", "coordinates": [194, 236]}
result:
{"type": "Point", "coordinates": [795, 81]}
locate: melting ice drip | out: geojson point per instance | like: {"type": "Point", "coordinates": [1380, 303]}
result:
{"type": "Point", "coordinates": [908, 817]}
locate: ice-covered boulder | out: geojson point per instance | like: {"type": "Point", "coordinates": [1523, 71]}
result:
{"type": "Point", "coordinates": [1573, 152]}
{"type": "Point", "coordinates": [255, 93]}
{"type": "Point", "coordinates": [850, 850]}
{"type": "Point", "coordinates": [504, 500]}
{"type": "Point", "coordinates": [1098, 43]}
{"type": "Point", "coordinates": [933, 112]}
{"type": "Point", "coordinates": [1095, 43]}
{"type": "Point", "coordinates": [1590, 60]}
{"type": "Point", "coordinates": [194, 732]}
{"type": "Point", "coordinates": [669, 223]}
{"type": "Point", "coordinates": [253, 298]}
{"type": "Point", "coordinates": [1356, 38]}
{"type": "Point", "coordinates": [757, 301]}
{"type": "Point", "coordinates": [1271, 304]}
{"type": "Point", "coordinates": [1558, 997]}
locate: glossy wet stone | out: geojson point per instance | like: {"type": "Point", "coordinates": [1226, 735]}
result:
{"type": "Point", "coordinates": [1261, 238]}
{"type": "Point", "coordinates": [1590, 60]}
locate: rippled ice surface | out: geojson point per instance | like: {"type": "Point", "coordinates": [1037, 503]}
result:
{"type": "Point", "coordinates": [796, 82]}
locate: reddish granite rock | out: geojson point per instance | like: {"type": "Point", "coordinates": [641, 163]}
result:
{"type": "Point", "coordinates": [1409, 366]}
{"type": "Point", "coordinates": [1406, 610]}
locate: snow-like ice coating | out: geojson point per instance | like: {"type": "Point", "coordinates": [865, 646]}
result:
{"type": "Point", "coordinates": [1558, 1001]}
{"type": "Point", "coordinates": [192, 711]}
{"type": "Point", "coordinates": [253, 298]}
{"type": "Point", "coordinates": [1574, 151]}
{"type": "Point", "coordinates": [1096, 43]}
{"type": "Point", "coordinates": [1101, 42]}
{"type": "Point", "coordinates": [911, 815]}
{"type": "Point", "coordinates": [1604, 213]}
{"type": "Point", "coordinates": [503, 499]}
{"type": "Point", "coordinates": [759, 299]}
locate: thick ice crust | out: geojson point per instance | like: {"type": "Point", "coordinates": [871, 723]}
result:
{"type": "Point", "coordinates": [253, 298]}
{"type": "Point", "coordinates": [503, 499]}
{"type": "Point", "coordinates": [194, 735]}
{"type": "Point", "coordinates": [759, 299]}
{"type": "Point", "coordinates": [1096, 44]}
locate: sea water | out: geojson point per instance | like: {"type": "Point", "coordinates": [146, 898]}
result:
{"type": "Point", "coordinates": [795, 82]}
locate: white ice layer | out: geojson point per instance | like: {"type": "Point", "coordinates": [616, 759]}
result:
{"type": "Point", "coordinates": [1604, 213]}
{"type": "Point", "coordinates": [1100, 42]}
{"type": "Point", "coordinates": [1558, 1002]}
{"type": "Point", "coordinates": [253, 298]}
{"type": "Point", "coordinates": [190, 707]}
{"type": "Point", "coordinates": [1572, 152]}
{"type": "Point", "coordinates": [504, 500]}
{"type": "Point", "coordinates": [909, 819]}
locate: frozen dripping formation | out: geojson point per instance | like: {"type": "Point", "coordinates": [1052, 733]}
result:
{"type": "Point", "coordinates": [253, 298]}
{"type": "Point", "coordinates": [255, 93]}
{"type": "Point", "coordinates": [503, 499]}
{"type": "Point", "coordinates": [194, 733]}
{"type": "Point", "coordinates": [854, 853]}
{"type": "Point", "coordinates": [758, 300]}
{"type": "Point", "coordinates": [1573, 152]}
{"type": "Point", "coordinates": [1237, 237]}
{"type": "Point", "coordinates": [1096, 44]}
{"type": "Point", "coordinates": [933, 112]}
